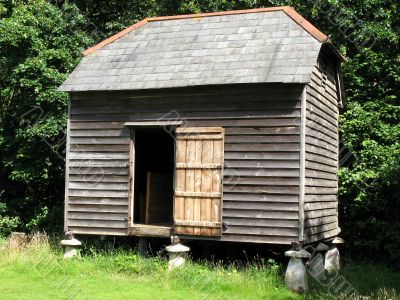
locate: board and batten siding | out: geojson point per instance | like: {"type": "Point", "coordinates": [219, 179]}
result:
{"type": "Point", "coordinates": [321, 153]}
{"type": "Point", "coordinates": [261, 166]}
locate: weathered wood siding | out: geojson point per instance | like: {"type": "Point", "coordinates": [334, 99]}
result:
{"type": "Point", "coordinates": [262, 144]}
{"type": "Point", "coordinates": [321, 153]}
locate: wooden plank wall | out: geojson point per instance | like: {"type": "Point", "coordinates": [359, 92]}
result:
{"type": "Point", "coordinates": [321, 165]}
{"type": "Point", "coordinates": [261, 176]}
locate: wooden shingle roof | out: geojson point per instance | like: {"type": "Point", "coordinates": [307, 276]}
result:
{"type": "Point", "coordinates": [247, 46]}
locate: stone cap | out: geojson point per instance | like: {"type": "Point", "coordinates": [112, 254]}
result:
{"type": "Point", "coordinates": [298, 254]}
{"type": "Point", "coordinates": [72, 242]}
{"type": "Point", "coordinates": [322, 247]}
{"type": "Point", "coordinates": [177, 248]}
{"type": "Point", "coordinates": [338, 240]}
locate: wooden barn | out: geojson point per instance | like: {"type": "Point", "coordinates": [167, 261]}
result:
{"type": "Point", "coordinates": [219, 126]}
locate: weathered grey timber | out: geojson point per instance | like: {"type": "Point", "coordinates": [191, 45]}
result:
{"type": "Point", "coordinates": [251, 102]}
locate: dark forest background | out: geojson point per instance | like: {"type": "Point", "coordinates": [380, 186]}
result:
{"type": "Point", "coordinates": [41, 42]}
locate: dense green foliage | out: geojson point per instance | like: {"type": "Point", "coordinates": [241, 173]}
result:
{"type": "Point", "coordinates": [40, 43]}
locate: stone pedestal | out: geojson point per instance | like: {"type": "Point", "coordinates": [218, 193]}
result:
{"type": "Point", "coordinates": [176, 254]}
{"type": "Point", "coordinates": [332, 256]}
{"type": "Point", "coordinates": [71, 246]}
{"type": "Point", "coordinates": [296, 273]}
{"type": "Point", "coordinates": [317, 264]}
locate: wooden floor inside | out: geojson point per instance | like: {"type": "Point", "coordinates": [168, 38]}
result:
{"type": "Point", "coordinates": [151, 230]}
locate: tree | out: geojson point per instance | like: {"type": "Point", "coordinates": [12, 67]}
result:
{"type": "Point", "coordinates": [40, 44]}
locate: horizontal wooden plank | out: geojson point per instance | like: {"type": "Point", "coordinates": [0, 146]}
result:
{"type": "Point", "coordinates": [319, 198]}
{"type": "Point", "coordinates": [222, 100]}
{"type": "Point", "coordinates": [322, 235]}
{"type": "Point", "coordinates": [150, 230]}
{"type": "Point", "coordinates": [262, 189]}
{"type": "Point", "coordinates": [265, 181]}
{"type": "Point", "coordinates": [199, 102]}
{"type": "Point", "coordinates": [262, 239]}
{"type": "Point", "coordinates": [320, 213]}
{"type": "Point", "coordinates": [250, 222]}
{"type": "Point", "coordinates": [269, 164]}
{"type": "Point", "coordinates": [311, 132]}
{"type": "Point", "coordinates": [97, 201]}
{"type": "Point", "coordinates": [250, 155]}
{"type": "Point", "coordinates": [269, 131]}
{"type": "Point", "coordinates": [320, 151]}
{"type": "Point", "coordinates": [264, 231]}
{"type": "Point", "coordinates": [317, 123]}
{"type": "Point", "coordinates": [197, 130]}
{"type": "Point", "coordinates": [99, 140]}
{"type": "Point", "coordinates": [314, 157]}
{"type": "Point", "coordinates": [322, 190]}
{"type": "Point", "coordinates": [98, 178]}
{"type": "Point", "coordinates": [98, 223]}
{"type": "Point", "coordinates": [197, 194]}
{"type": "Point", "coordinates": [314, 88]}
{"type": "Point", "coordinates": [124, 132]}
{"type": "Point", "coordinates": [99, 148]}
{"type": "Point", "coordinates": [197, 223]}
{"type": "Point", "coordinates": [229, 196]}
{"type": "Point", "coordinates": [197, 166]}
{"type": "Point", "coordinates": [233, 173]}
{"type": "Point", "coordinates": [313, 109]}
{"type": "Point", "coordinates": [98, 171]}
{"type": "Point", "coordinates": [130, 117]}
{"type": "Point", "coordinates": [96, 125]}
{"type": "Point", "coordinates": [97, 193]}
{"type": "Point", "coordinates": [192, 92]}
{"type": "Point", "coordinates": [199, 136]}
{"type": "Point", "coordinates": [98, 231]}
{"type": "Point", "coordinates": [87, 208]}
{"type": "Point", "coordinates": [287, 215]}
{"type": "Point", "coordinates": [256, 122]}
{"type": "Point", "coordinates": [319, 221]}
{"type": "Point", "coordinates": [263, 139]}
{"type": "Point", "coordinates": [283, 147]}
{"type": "Point", "coordinates": [322, 144]}
{"type": "Point", "coordinates": [144, 123]}
{"type": "Point", "coordinates": [98, 156]}
{"type": "Point", "coordinates": [325, 106]}
{"type": "Point", "coordinates": [320, 182]}
{"type": "Point", "coordinates": [116, 163]}
{"type": "Point", "coordinates": [261, 206]}
{"type": "Point", "coordinates": [326, 91]}
{"type": "Point", "coordinates": [89, 215]}
{"type": "Point", "coordinates": [320, 205]}
{"type": "Point", "coordinates": [98, 186]}
{"type": "Point", "coordinates": [310, 173]}
{"type": "Point", "coordinates": [321, 228]}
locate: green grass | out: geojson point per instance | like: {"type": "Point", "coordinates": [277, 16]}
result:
{"type": "Point", "coordinates": [40, 272]}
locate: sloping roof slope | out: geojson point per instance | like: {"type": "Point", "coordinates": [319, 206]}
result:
{"type": "Point", "coordinates": [250, 46]}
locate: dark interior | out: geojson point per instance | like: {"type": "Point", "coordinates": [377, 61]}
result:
{"type": "Point", "coordinates": [154, 169]}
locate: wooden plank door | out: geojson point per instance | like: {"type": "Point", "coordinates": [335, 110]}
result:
{"type": "Point", "coordinates": [198, 180]}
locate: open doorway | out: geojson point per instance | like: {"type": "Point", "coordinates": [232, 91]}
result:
{"type": "Point", "coordinates": [154, 171]}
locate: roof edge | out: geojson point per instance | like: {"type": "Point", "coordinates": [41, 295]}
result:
{"type": "Point", "coordinates": [114, 37]}
{"type": "Point", "coordinates": [291, 12]}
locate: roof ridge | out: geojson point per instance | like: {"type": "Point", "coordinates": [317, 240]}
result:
{"type": "Point", "coordinates": [291, 12]}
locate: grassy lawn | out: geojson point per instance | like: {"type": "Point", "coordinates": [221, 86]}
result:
{"type": "Point", "coordinates": [39, 272]}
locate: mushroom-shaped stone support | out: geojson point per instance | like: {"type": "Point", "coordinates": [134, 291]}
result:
{"type": "Point", "coordinates": [332, 256]}
{"type": "Point", "coordinates": [316, 266]}
{"type": "Point", "coordinates": [176, 254]}
{"type": "Point", "coordinates": [296, 273]}
{"type": "Point", "coordinates": [71, 247]}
